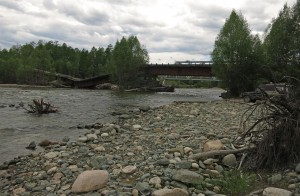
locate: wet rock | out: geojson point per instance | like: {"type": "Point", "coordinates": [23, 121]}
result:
{"type": "Point", "coordinates": [66, 139]}
{"type": "Point", "coordinates": [144, 108]}
{"type": "Point", "coordinates": [31, 146]}
{"type": "Point", "coordinates": [4, 166]}
{"type": "Point", "coordinates": [80, 126]}
{"type": "Point", "coordinates": [90, 181]}
{"type": "Point", "coordinates": [170, 192]}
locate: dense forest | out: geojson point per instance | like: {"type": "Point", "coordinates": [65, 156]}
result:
{"type": "Point", "coordinates": [18, 63]}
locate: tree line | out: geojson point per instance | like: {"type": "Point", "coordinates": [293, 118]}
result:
{"type": "Point", "coordinates": [243, 60]}
{"type": "Point", "coordinates": [18, 63]}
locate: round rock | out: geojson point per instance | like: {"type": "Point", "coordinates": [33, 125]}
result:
{"type": "Point", "coordinates": [230, 160]}
{"type": "Point", "coordinates": [130, 169]}
{"type": "Point", "coordinates": [90, 181]}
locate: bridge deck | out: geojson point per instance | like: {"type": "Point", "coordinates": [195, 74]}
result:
{"type": "Point", "coordinates": [181, 68]}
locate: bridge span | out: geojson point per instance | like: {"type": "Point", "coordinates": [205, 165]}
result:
{"type": "Point", "coordinates": [181, 68]}
{"type": "Point", "coordinates": [77, 82]}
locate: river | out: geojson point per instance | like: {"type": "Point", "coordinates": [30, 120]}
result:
{"type": "Point", "coordinates": [76, 106]}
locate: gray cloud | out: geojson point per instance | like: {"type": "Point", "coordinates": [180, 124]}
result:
{"type": "Point", "coordinates": [182, 27]}
{"type": "Point", "coordinates": [10, 4]}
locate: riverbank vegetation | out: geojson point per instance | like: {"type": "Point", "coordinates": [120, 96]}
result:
{"type": "Point", "coordinates": [242, 60]}
{"type": "Point", "coordinates": [123, 61]}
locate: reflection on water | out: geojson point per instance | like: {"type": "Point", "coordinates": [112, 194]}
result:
{"type": "Point", "coordinates": [18, 128]}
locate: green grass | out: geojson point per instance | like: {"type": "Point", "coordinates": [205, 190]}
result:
{"type": "Point", "coordinates": [236, 183]}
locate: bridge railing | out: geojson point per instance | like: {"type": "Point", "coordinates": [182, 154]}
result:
{"type": "Point", "coordinates": [184, 63]}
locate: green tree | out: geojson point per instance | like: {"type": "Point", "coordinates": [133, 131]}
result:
{"type": "Point", "coordinates": [236, 59]}
{"type": "Point", "coordinates": [277, 44]}
{"type": "Point", "coordinates": [83, 63]}
{"type": "Point", "coordinates": [128, 56]}
{"type": "Point", "coordinates": [294, 66]}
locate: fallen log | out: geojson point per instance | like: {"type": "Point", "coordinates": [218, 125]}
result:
{"type": "Point", "coordinates": [210, 154]}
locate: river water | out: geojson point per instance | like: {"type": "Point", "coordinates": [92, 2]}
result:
{"type": "Point", "coordinates": [76, 106]}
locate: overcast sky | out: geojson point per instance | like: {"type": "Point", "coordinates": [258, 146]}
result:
{"type": "Point", "coordinates": [170, 29]}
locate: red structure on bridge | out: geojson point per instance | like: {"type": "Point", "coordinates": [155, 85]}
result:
{"type": "Point", "coordinates": [181, 68]}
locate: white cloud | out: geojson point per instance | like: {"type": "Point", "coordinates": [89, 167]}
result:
{"type": "Point", "coordinates": [170, 30]}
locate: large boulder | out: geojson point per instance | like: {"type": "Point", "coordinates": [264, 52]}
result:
{"type": "Point", "coordinates": [90, 180]}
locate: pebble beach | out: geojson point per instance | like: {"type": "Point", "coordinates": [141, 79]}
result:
{"type": "Point", "coordinates": [146, 152]}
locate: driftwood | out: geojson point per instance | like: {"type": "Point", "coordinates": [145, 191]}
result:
{"type": "Point", "coordinates": [275, 130]}
{"type": "Point", "coordinates": [40, 107]}
{"type": "Point", "coordinates": [213, 153]}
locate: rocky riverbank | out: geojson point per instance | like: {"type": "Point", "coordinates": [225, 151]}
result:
{"type": "Point", "coordinates": [146, 152]}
